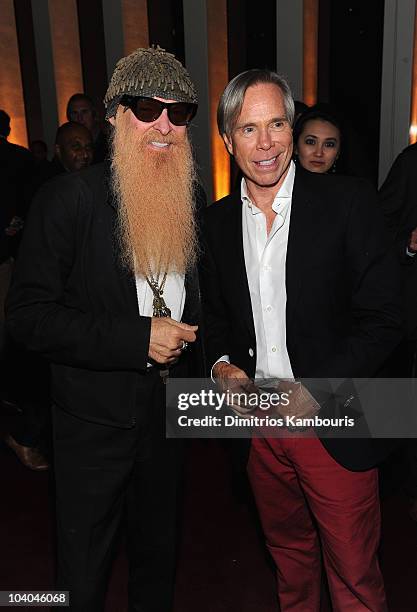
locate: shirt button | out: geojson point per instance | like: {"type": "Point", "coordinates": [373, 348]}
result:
{"type": "Point", "coordinates": [268, 308]}
{"type": "Point", "coordinates": [251, 352]}
{"type": "Point", "coordinates": [274, 349]}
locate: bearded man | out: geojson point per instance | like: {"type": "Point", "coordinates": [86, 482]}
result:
{"type": "Point", "coordinates": [105, 276]}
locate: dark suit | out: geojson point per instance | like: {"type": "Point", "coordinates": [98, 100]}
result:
{"type": "Point", "coordinates": [343, 319]}
{"type": "Point", "coordinates": [72, 301]}
{"type": "Point", "coordinates": [16, 176]}
{"type": "Point", "coordinates": [398, 201]}
{"type": "Point", "coordinates": [343, 310]}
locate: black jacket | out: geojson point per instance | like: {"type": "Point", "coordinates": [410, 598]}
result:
{"type": "Point", "coordinates": [71, 300]}
{"type": "Point", "coordinates": [398, 201]}
{"type": "Point", "coordinates": [16, 180]}
{"type": "Point", "coordinates": [343, 312]}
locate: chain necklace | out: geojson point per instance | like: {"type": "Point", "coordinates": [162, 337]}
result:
{"type": "Point", "coordinates": [160, 309]}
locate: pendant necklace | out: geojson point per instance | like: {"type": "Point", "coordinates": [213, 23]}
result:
{"type": "Point", "coordinates": [160, 309]}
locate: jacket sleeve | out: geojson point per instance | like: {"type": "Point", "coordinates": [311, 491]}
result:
{"type": "Point", "coordinates": [39, 312]}
{"type": "Point", "coordinates": [392, 195]}
{"type": "Point", "coordinates": [374, 278]}
{"type": "Point", "coordinates": [395, 198]}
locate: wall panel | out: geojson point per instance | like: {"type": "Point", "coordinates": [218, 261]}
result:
{"type": "Point", "coordinates": [11, 90]}
{"type": "Point", "coordinates": [29, 69]}
{"type": "Point", "coordinates": [66, 52]}
{"type": "Point", "coordinates": [310, 50]}
{"type": "Point", "coordinates": [135, 25]}
{"type": "Point", "coordinates": [46, 73]}
{"type": "Point", "coordinates": [92, 46]}
{"type": "Point", "coordinates": [399, 17]}
{"type": "Point", "coordinates": [218, 79]}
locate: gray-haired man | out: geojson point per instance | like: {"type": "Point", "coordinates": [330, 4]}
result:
{"type": "Point", "coordinates": [297, 283]}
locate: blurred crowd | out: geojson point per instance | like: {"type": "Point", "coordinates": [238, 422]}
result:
{"type": "Point", "coordinates": [80, 142]}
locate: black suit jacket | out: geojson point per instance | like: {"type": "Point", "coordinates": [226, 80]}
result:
{"type": "Point", "coordinates": [398, 201]}
{"type": "Point", "coordinates": [72, 301]}
{"type": "Point", "coordinates": [16, 182]}
{"type": "Point", "coordinates": [343, 312]}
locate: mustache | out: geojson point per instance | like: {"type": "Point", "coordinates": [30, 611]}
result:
{"type": "Point", "coordinates": [155, 136]}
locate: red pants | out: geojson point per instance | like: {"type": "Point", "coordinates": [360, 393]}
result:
{"type": "Point", "coordinates": [305, 498]}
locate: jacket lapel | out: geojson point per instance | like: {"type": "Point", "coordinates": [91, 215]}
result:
{"type": "Point", "coordinates": [239, 286]}
{"type": "Point", "coordinates": [192, 309]}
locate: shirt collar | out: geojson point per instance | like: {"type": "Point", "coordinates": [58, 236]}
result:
{"type": "Point", "coordinates": [284, 192]}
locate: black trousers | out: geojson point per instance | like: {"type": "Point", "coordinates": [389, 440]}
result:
{"type": "Point", "coordinates": [104, 474]}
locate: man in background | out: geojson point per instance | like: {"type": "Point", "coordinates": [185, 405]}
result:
{"type": "Point", "coordinates": [28, 438]}
{"type": "Point", "coordinates": [80, 109]}
{"type": "Point", "coordinates": [74, 148]}
{"type": "Point", "coordinates": [398, 202]}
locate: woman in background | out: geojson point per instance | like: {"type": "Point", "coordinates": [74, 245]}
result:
{"type": "Point", "coordinates": [317, 140]}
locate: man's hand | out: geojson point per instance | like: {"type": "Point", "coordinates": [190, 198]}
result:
{"type": "Point", "coordinates": [167, 339]}
{"type": "Point", "coordinates": [231, 378]}
{"type": "Point", "coordinates": [412, 245]}
{"type": "Point", "coordinates": [301, 403]}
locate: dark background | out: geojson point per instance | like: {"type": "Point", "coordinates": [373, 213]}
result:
{"type": "Point", "coordinates": [349, 53]}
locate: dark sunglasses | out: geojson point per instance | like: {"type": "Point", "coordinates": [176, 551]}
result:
{"type": "Point", "coordinates": [149, 109]}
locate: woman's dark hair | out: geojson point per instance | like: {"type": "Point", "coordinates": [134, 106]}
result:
{"type": "Point", "coordinates": [321, 111]}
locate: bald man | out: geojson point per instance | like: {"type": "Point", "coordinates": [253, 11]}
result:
{"type": "Point", "coordinates": [74, 146]}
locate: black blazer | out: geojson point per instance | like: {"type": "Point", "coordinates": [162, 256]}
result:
{"type": "Point", "coordinates": [343, 312]}
{"type": "Point", "coordinates": [16, 183]}
{"type": "Point", "coordinates": [71, 300]}
{"type": "Point", "coordinates": [398, 201]}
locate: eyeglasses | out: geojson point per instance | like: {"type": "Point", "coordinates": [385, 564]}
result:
{"type": "Point", "coordinates": [149, 109]}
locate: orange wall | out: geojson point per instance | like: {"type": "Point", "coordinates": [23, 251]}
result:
{"type": "Point", "coordinates": [11, 92]}
{"type": "Point", "coordinates": [310, 50]}
{"type": "Point", "coordinates": [218, 79]}
{"type": "Point", "coordinates": [135, 25]}
{"type": "Point", "coordinates": [66, 52]}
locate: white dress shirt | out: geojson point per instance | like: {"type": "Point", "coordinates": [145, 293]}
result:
{"type": "Point", "coordinates": [265, 257]}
